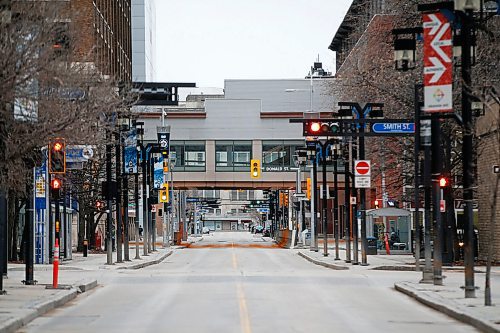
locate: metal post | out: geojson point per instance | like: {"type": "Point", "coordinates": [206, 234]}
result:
{"type": "Point", "coordinates": [144, 201]}
{"type": "Point", "coordinates": [109, 221]}
{"type": "Point", "coordinates": [347, 205]}
{"type": "Point", "coordinates": [353, 152]}
{"type": "Point", "coordinates": [126, 249]}
{"type": "Point", "coordinates": [314, 199]}
{"type": "Point", "coordinates": [51, 221]}
{"type": "Point", "coordinates": [438, 230]}
{"type": "Point", "coordinates": [28, 255]}
{"type": "Point", "coordinates": [336, 230]}
{"type": "Point", "coordinates": [416, 217]}
{"type": "Point", "coordinates": [427, 272]}
{"type": "Point", "coordinates": [64, 224]}
{"type": "Point", "coordinates": [467, 156]}
{"type": "Point", "coordinates": [362, 195]}
{"type": "Point", "coordinates": [119, 219]}
{"type": "Point", "coordinates": [3, 237]}
{"type": "Point", "coordinates": [136, 199]}
{"type": "Point", "coordinates": [324, 201]}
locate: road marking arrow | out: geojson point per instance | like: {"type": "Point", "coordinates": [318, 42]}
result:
{"type": "Point", "coordinates": [437, 42]}
{"type": "Point", "coordinates": [437, 70]}
{"type": "Point", "coordinates": [433, 25]}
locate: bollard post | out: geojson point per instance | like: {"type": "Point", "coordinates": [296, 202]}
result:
{"type": "Point", "coordinates": [85, 247]}
{"type": "Point", "coordinates": [55, 272]}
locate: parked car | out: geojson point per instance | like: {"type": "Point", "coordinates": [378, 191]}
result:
{"type": "Point", "coordinates": [205, 230]}
{"type": "Point", "coordinates": [258, 229]}
{"type": "Point", "coordinates": [266, 233]}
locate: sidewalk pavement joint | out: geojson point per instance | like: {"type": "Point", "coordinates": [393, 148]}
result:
{"type": "Point", "coordinates": [483, 321]}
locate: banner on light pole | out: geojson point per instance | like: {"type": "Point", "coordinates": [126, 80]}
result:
{"type": "Point", "coordinates": [438, 63]}
{"type": "Point", "coordinates": [130, 151]}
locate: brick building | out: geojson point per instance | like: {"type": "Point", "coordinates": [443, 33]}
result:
{"type": "Point", "coordinates": [102, 35]}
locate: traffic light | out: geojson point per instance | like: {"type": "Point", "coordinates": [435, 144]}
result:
{"type": "Point", "coordinates": [255, 169]}
{"type": "Point", "coordinates": [443, 182]}
{"type": "Point", "coordinates": [57, 156]}
{"type": "Point", "coordinates": [376, 204]}
{"type": "Point", "coordinates": [55, 188]}
{"type": "Point", "coordinates": [315, 128]}
{"type": "Point", "coordinates": [163, 194]}
{"type": "Point", "coordinates": [308, 188]}
{"type": "Point", "coordinates": [285, 199]}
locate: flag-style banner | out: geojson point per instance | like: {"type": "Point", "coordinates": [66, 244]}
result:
{"type": "Point", "coordinates": [438, 63]}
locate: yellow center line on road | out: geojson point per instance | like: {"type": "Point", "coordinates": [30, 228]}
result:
{"type": "Point", "coordinates": [244, 318]}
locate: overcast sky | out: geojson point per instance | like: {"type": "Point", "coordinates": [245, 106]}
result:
{"type": "Point", "coordinates": [207, 41]}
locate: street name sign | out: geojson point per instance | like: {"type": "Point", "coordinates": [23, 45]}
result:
{"type": "Point", "coordinates": [393, 128]}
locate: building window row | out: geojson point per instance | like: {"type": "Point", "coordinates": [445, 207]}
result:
{"type": "Point", "coordinates": [235, 156]}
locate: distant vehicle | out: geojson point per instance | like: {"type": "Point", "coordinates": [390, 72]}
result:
{"type": "Point", "coordinates": [266, 233]}
{"type": "Point", "coordinates": [205, 230]}
{"type": "Point", "coordinates": [258, 229]}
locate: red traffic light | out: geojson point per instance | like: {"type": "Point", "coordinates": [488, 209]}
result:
{"type": "Point", "coordinates": [58, 146]}
{"type": "Point", "coordinates": [443, 182]}
{"type": "Point", "coordinates": [56, 184]}
{"type": "Point", "coordinates": [315, 127]}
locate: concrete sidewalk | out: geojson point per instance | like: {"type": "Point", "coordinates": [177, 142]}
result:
{"type": "Point", "coordinates": [21, 304]}
{"type": "Point", "coordinates": [449, 298]}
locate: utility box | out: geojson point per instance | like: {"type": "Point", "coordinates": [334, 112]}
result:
{"type": "Point", "coordinates": [371, 248]}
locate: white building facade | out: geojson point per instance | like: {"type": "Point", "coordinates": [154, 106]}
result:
{"type": "Point", "coordinates": [143, 41]}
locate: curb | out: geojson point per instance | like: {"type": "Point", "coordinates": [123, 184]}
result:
{"type": "Point", "coordinates": [322, 263]}
{"type": "Point", "coordinates": [38, 309]}
{"type": "Point", "coordinates": [148, 263]}
{"type": "Point", "coordinates": [394, 268]}
{"type": "Point", "coordinates": [456, 311]}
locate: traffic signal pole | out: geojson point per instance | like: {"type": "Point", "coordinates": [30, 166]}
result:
{"type": "Point", "coordinates": [314, 198]}
{"type": "Point", "coordinates": [324, 202]}
{"type": "Point", "coordinates": [436, 172]}
{"type": "Point", "coordinates": [362, 197]}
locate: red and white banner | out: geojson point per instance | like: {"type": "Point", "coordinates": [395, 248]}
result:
{"type": "Point", "coordinates": [438, 63]}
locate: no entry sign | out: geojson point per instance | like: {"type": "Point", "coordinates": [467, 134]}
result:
{"type": "Point", "coordinates": [362, 168]}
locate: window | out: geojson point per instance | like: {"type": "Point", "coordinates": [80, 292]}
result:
{"type": "Point", "coordinates": [189, 155]}
{"type": "Point", "coordinates": [242, 195]}
{"type": "Point", "coordinates": [233, 155]}
{"type": "Point", "coordinates": [279, 153]}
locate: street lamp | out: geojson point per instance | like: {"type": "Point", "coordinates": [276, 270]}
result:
{"type": "Point", "coordinates": [405, 47]}
{"type": "Point", "coordinates": [463, 12]}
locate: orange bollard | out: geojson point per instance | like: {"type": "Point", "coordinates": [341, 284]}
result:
{"type": "Point", "coordinates": [387, 247]}
{"type": "Point", "coordinates": [55, 272]}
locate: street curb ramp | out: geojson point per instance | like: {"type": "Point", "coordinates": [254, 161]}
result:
{"type": "Point", "coordinates": [322, 263]}
{"type": "Point", "coordinates": [41, 307]}
{"type": "Point", "coordinates": [450, 308]}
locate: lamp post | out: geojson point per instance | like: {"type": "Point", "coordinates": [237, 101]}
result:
{"type": "Point", "coordinates": [311, 154]}
{"type": "Point", "coordinates": [463, 12]}
{"type": "Point", "coordinates": [335, 148]}
{"type": "Point", "coordinates": [405, 45]}
{"type": "Point", "coordinates": [140, 132]}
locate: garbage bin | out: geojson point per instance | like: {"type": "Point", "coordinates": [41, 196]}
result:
{"type": "Point", "coordinates": [372, 245]}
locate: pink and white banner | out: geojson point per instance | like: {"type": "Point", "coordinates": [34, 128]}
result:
{"type": "Point", "coordinates": [438, 63]}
